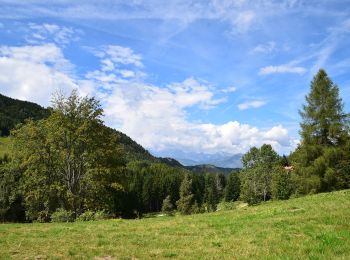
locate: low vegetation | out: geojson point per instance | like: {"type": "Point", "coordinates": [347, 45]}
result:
{"type": "Point", "coordinates": [5, 146]}
{"type": "Point", "coordinates": [310, 227]}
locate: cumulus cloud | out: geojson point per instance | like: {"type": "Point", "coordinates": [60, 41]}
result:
{"type": "Point", "coordinates": [155, 116]}
{"type": "Point", "coordinates": [34, 72]}
{"type": "Point", "coordinates": [115, 54]}
{"type": "Point", "coordinates": [251, 104]}
{"type": "Point", "coordinates": [281, 69]}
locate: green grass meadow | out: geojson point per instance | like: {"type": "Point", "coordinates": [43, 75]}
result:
{"type": "Point", "coordinates": [312, 227]}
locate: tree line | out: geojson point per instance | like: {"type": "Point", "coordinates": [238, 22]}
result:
{"type": "Point", "coordinates": [70, 164]}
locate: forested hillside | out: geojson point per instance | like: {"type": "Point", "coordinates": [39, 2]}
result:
{"type": "Point", "coordinates": [13, 112]}
{"type": "Point", "coordinates": [88, 166]}
{"type": "Point", "coordinates": [208, 168]}
{"type": "Point", "coordinates": [70, 166]}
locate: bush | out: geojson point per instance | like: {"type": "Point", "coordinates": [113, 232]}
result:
{"type": "Point", "coordinates": [99, 215]}
{"type": "Point", "coordinates": [227, 205]}
{"type": "Point", "coordinates": [61, 215]}
{"type": "Point", "coordinates": [167, 207]}
{"type": "Point", "coordinates": [91, 216]}
{"type": "Point", "coordinates": [43, 216]}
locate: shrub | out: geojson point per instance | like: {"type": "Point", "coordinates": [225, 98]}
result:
{"type": "Point", "coordinates": [43, 216]}
{"type": "Point", "coordinates": [86, 216]}
{"type": "Point", "coordinates": [99, 215]}
{"type": "Point", "coordinates": [227, 205]}
{"type": "Point", "coordinates": [167, 207]}
{"type": "Point", "coordinates": [61, 215]}
{"type": "Point", "coordinates": [91, 216]}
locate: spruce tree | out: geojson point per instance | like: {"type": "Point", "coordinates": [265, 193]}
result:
{"type": "Point", "coordinates": [232, 189]}
{"type": "Point", "coordinates": [186, 201]}
{"type": "Point", "coordinates": [324, 134]}
{"type": "Point", "coordinates": [167, 206]}
{"type": "Point", "coordinates": [211, 192]}
{"type": "Point", "coordinates": [323, 119]}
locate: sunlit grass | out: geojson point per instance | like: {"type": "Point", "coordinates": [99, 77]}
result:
{"type": "Point", "coordinates": [314, 227]}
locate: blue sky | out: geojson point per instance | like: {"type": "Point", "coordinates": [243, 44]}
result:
{"type": "Point", "coordinates": [180, 76]}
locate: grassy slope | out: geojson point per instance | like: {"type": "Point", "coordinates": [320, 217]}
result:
{"type": "Point", "coordinates": [4, 145]}
{"type": "Point", "coordinates": [311, 227]}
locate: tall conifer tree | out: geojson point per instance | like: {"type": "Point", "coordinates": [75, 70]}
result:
{"type": "Point", "coordinates": [324, 121]}
{"type": "Point", "coordinates": [325, 134]}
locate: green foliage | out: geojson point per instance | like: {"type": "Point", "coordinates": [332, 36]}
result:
{"type": "Point", "coordinates": [324, 122]}
{"type": "Point", "coordinates": [186, 202]}
{"type": "Point", "coordinates": [69, 160]}
{"type": "Point", "coordinates": [11, 206]}
{"type": "Point", "coordinates": [282, 187]}
{"type": "Point", "coordinates": [92, 216]}
{"type": "Point", "coordinates": [61, 215]}
{"type": "Point", "coordinates": [5, 147]}
{"type": "Point", "coordinates": [321, 160]}
{"type": "Point", "coordinates": [167, 206]}
{"type": "Point", "coordinates": [13, 112]}
{"type": "Point", "coordinates": [256, 176]}
{"type": "Point", "coordinates": [212, 186]}
{"type": "Point", "coordinates": [228, 205]}
{"type": "Point", "coordinates": [233, 187]}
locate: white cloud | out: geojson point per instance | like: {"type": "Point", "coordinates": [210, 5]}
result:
{"type": "Point", "coordinates": [264, 48]}
{"type": "Point", "coordinates": [43, 33]}
{"type": "Point", "coordinates": [115, 54]}
{"type": "Point", "coordinates": [243, 21]}
{"type": "Point", "coordinates": [33, 72]}
{"type": "Point", "coordinates": [156, 117]}
{"type": "Point", "coordinates": [281, 69]}
{"type": "Point", "coordinates": [251, 104]}
{"type": "Point", "coordinates": [229, 90]}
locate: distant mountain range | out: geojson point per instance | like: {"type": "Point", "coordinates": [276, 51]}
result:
{"type": "Point", "coordinates": [223, 160]}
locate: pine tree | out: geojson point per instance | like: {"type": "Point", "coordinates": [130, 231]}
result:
{"type": "Point", "coordinates": [211, 192]}
{"type": "Point", "coordinates": [167, 206]}
{"type": "Point", "coordinates": [186, 201]}
{"type": "Point", "coordinates": [324, 121]}
{"type": "Point", "coordinates": [232, 189]}
{"type": "Point", "coordinates": [324, 133]}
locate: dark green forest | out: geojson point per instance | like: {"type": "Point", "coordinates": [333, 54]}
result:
{"type": "Point", "coordinates": [65, 164]}
{"type": "Point", "coordinates": [14, 112]}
